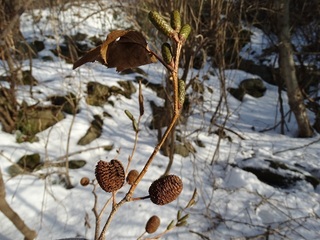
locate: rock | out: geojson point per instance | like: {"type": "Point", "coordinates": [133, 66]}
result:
{"type": "Point", "coordinates": [34, 119]}
{"type": "Point", "coordinates": [98, 94]}
{"type": "Point", "coordinates": [27, 163]}
{"type": "Point", "coordinates": [128, 88]}
{"type": "Point", "coordinates": [93, 132]}
{"type": "Point", "coordinates": [253, 87]}
{"type": "Point", "coordinates": [68, 103]}
{"type": "Point", "coordinates": [277, 174]}
{"type": "Point", "coordinates": [237, 93]}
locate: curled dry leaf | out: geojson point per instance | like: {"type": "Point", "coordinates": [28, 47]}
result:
{"type": "Point", "coordinates": [123, 49]}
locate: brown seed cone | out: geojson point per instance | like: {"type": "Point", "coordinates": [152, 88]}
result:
{"type": "Point", "coordinates": [165, 190]}
{"type": "Point", "coordinates": [84, 181]}
{"type": "Point", "coordinates": [132, 176]}
{"type": "Point", "coordinates": [152, 224]}
{"type": "Point", "coordinates": [110, 175]}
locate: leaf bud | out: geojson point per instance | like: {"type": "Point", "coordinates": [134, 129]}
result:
{"type": "Point", "coordinates": [171, 225]}
{"type": "Point", "coordinates": [129, 114]}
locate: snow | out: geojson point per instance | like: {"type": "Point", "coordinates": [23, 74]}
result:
{"type": "Point", "coordinates": [231, 203]}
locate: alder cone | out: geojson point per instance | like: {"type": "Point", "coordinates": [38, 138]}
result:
{"type": "Point", "coordinates": [110, 175]}
{"type": "Point", "coordinates": [165, 189]}
{"type": "Point", "coordinates": [152, 224]}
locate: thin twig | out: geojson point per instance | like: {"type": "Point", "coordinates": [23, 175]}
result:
{"type": "Point", "coordinates": [79, 152]}
{"type": "Point", "coordinates": [137, 131]}
{"type": "Point", "coordinates": [299, 147]}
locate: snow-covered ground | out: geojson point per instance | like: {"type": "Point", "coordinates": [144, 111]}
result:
{"type": "Point", "coordinates": [231, 203]}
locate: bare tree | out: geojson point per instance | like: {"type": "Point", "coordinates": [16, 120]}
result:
{"type": "Point", "coordinates": [10, 35]}
{"type": "Point", "coordinates": [287, 69]}
{"type": "Point", "coordinates": [10, 12]}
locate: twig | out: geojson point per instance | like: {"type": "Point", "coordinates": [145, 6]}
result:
{"type": "Point", "coordinates": [137, 131]}
{"type": "Point", "coordinates": [200, 235]}
{"type": "Point", "coordinates": [299, 147]}
{"type": "Point", "coordinates": [176, 114]}
{"type": "Point", "coordinates": [79, 152]}
{"type": "Point", "coordinates": [229, 130]}
{"type": "Point", "coordinates": [95, 211]}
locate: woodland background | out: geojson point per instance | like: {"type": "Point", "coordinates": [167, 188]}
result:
{"type": "Point", "coordinates": [263, 44]}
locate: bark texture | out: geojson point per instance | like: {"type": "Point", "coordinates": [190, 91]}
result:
{"type": "Point", "coordinates": [288, 73]}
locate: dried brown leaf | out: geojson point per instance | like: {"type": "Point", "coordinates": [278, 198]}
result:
{"type": "Point", "coordinates": [123, 49]}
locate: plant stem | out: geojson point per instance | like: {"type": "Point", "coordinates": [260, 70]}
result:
{"type": "Point", "coordinates": [176, 114]}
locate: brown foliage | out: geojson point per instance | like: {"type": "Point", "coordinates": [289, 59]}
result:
{"type": "Point", "coordinates": [123, 49]}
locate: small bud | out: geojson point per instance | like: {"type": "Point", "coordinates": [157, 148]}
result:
{"type": "Point", "coordinates": [184, 32]}
{"type": "Point", "coordinates": [180, 224]}
{"type": "Point", "coordinates": [135, 125]}
{"type": "Point", "coordinates": [184, 218]}
{"type": "Point", "coordinates": [129, 114]}
{"type": "Point", "coordinates": [179, 214]}
{"type": "Point", "coordinates": [191, 203]}
{"type": "Point", "coordinates": [181, 92]}
{"type": "Point", "coordinates": [175, 20]}
{"type": "Point", "coordinates": [84, 181]}
{"type": "Point", "coordinates": [193, 199]}
{"type": "Point", "coordinates": [171, 225]}
{"type": "Point", "coordinates": [132, 176]}
{"type": "Point", "coordinates": [133, 120]}
{"type": "Point", "coordinates": [152, 224]}
{"type": "Point", "coordinates": [158, 21]}
{"type": "Point", "coordinates": [141, 105]}
{"type": "Point", "coordinates": [166, 53]}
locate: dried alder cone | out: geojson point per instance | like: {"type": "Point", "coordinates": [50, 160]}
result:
{"type": "Point", "coordinates": [123, 49]}
{"type": "Point", "coordinates": [110, 175]}
{"type": "Point", "coordinates": [165, 189]}
{"type": "Point", "coordinates": [152, 224]}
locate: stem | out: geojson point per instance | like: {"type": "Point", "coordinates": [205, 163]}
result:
{"type": "Point", "coordinates": [134, 147]}
{"type": "Point", "coordinates": [68, 179]}
{"type": "Point", "coordinates": [176, 114]}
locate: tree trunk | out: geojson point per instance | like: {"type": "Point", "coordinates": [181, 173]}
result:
{"type": "Point", "coordinates": [287, 70]}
